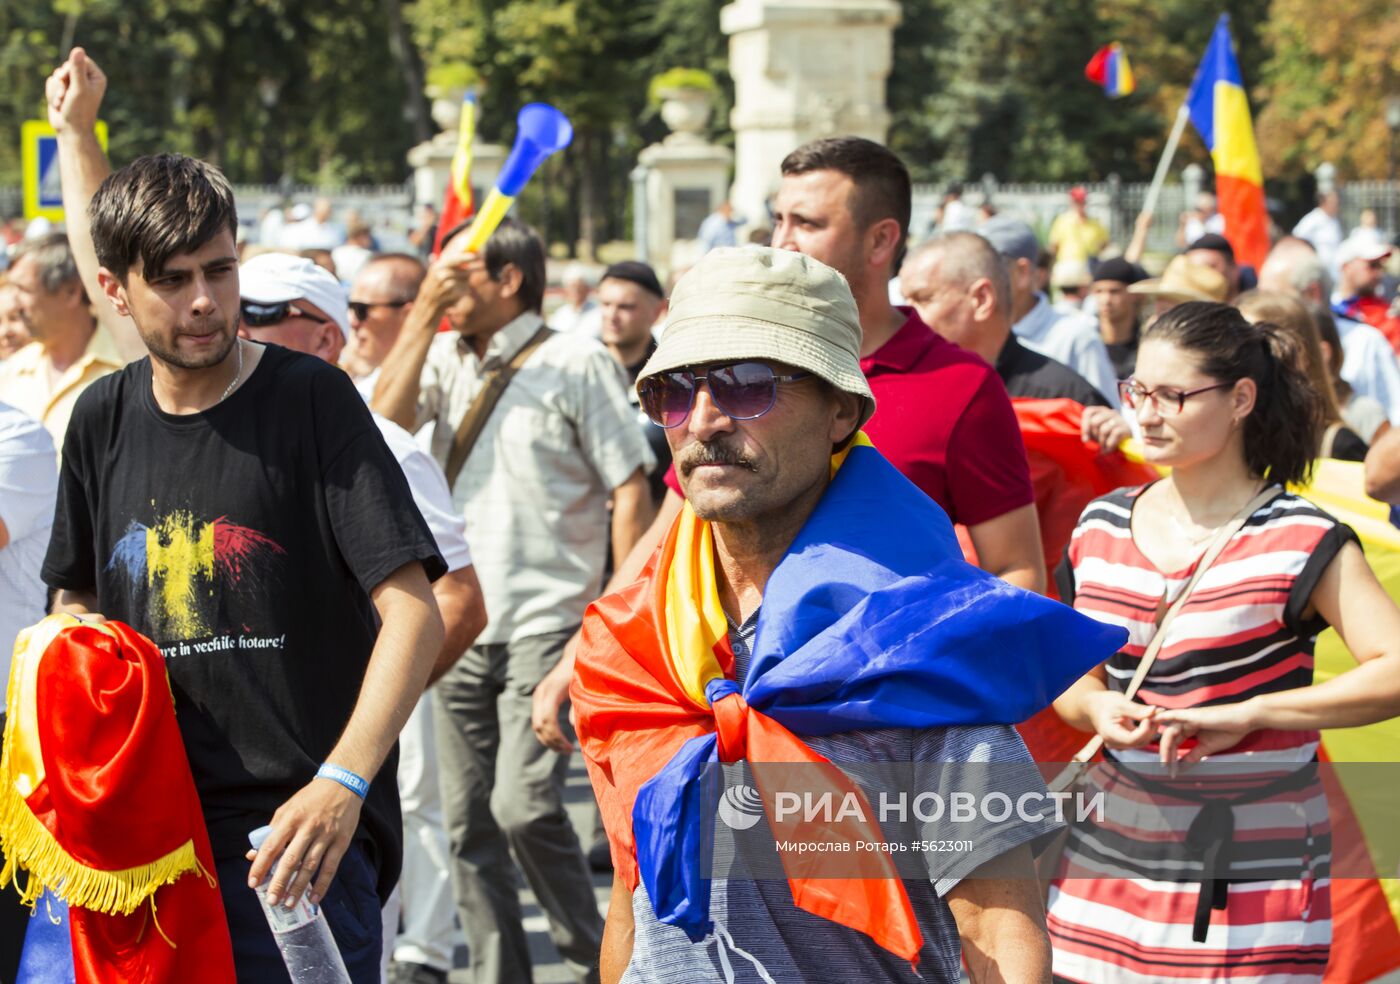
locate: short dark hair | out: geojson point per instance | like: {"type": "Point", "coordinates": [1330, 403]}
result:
{"type": "Point", "coordinates": [880, 177]}
{"type": "Point", "coordinates": [1284, 430]}
{"type": "Point", "coordinates": [516, 243]}
{"type": "Point", "coordinates": [157, 207]}
{"type": "Point", "coordinates": [53, 258]}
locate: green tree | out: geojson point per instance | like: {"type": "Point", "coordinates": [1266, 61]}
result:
{"type": "Point", "coordinates": [592, 59]}
{"type": "Point", "coordinates": [1327, 82]}
{"type": "Point", "coordinates": [261, 87]}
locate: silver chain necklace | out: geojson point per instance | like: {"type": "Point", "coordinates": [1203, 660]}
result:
{"type": "Point", "coordinates": [237, 374]}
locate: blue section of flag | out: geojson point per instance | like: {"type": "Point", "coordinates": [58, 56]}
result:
{"type": "Point", "coordinates": [1218, 65]}
{"type": "Point", "coordinates": [47, 956]}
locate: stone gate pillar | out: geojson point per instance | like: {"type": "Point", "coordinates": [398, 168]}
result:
{"type": "Point", "coordinates": [802, 69]}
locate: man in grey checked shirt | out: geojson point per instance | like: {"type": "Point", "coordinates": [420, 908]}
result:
{"type": "Point", "coordinates": [558, 446]}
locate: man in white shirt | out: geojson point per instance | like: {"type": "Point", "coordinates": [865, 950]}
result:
{"type": "Point", "coordinates": [1368, 361]}
{"type": "Point", "coordinates": [1323, 229]}
{"type": "Point", "coordinates": [28, 487]}
{"type": "Point", "coordinates": [423, 950]}
{"type": "Point", "coordinates": [1072, 339]}
{"type": "Point", "coordinates": [579, 312]}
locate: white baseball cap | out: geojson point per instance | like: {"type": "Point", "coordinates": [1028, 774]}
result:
{"type": "Point", "coordinates": [276, 278]}
{"type": "Point", "coordinates": [1361, 248]}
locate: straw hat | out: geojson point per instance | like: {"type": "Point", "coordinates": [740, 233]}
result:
{"type": "Point", "coordinates": [768, 304]}
{"type": "Point", "coordinates": [1184, 280]}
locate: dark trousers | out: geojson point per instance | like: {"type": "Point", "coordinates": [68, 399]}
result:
{"type": "Point", "coordinates": [503, 795]}
{"type": "Point", "coordinates": [14, 920]}
{"type": "Point", "coordinates": [351, 907]}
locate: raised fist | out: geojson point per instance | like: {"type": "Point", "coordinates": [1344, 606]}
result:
{"type": "Point", "coordinates": [74, 93]}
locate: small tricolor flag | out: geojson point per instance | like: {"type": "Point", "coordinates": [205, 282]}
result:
{"type": "Point", "coordinates": [458, 203]}
{"type": "Point", "coordinates": [1109, 68]}
{"type": "Point", "coordinates": [1220, 113]}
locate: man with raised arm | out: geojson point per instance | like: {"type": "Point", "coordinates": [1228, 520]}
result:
{"type": "Point", "coordinates": [205, 499]}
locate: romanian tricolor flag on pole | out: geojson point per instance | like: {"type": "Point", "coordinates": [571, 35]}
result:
{"type": "Point", "coordinates": [1109, 68]}
{"type": "Point", "coordinates": [1219, 111]}
{"type": "Point", "coordinates": [458, 203]}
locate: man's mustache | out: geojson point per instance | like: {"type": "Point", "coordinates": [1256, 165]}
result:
{"type": "Point", "coordinates": [713, 454]}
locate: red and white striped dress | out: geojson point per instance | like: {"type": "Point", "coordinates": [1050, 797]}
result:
{"type": "Point", "coordinates": [1240, 633]}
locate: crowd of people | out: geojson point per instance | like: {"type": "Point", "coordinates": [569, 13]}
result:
{"type": "Point", "coordinates": [403, 493]}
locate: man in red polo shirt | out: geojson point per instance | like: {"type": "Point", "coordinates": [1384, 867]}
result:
{"type": "Point", "coordinates": [943, 417]}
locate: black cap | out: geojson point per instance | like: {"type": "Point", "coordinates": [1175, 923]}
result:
{"type": "Point", "coordinates": [1216, 243]}
{"type": "Point", "coordinates": [1121, 270]}
{"type": "Point", "coordinates": [637, 272]}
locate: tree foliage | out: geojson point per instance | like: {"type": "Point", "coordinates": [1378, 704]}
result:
{"type": "Point", "coordinates": [592, 59]}
{"type": "Point", "coordinates": [261, 87]}
{"type": "Point", "coordinates": [331, 91]}
{"type": "Point", "coordinates": [1327, 84]}
{"type": "Point", "coordinates": [998, 87]}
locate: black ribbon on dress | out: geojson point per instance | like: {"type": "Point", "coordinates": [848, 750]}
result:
{"type": "Point", "coordinates": [1212, 833]}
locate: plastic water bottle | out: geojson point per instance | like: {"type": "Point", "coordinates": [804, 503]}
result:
{"type": "Point", "coordinates": [302, 934]}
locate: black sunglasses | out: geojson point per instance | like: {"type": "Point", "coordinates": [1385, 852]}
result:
{"type": "Point", "coordinates": [262, 315]}
{"type": "Point", "coordinates": [741, 391]}
{"type": "Point", "coordinates": [360, 309]}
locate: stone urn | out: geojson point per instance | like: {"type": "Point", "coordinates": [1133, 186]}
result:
{"type": "Point", "coordinates": [686, 111]}
{"type": "Point", "coordinates": [446, 106]}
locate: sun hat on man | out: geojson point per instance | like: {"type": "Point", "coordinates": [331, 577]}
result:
{"type": "Point", "coordinates": [277, 278]}
{"type": "Point", "coordinates": [1184, 280]}
{"type": "Point", "coordinates": [760, 303]}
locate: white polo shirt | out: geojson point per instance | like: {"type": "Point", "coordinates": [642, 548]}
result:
{"type": "Point", "coordinates": [28, 489]}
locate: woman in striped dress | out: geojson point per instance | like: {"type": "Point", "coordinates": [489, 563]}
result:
{"type": "Point", "coordinates": [1220, 403]}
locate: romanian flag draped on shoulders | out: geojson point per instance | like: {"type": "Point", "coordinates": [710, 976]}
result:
{"type": "Point", "coordinates": [1219, 111]}
{"type": "Point", "coordinates": [872, 619]}
{"type": "Point", "coordinates": [1109, 68]}
{"type": "Point", "coordinates": [458, 203]}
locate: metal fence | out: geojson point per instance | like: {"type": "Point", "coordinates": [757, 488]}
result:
{"type": "Point", "coordinates": [1116, 204]}
{"type": "Point", "coordinates": [1112, 202]}
{"type": "Point", "coordinates": [1383, 197]}
{"type": "Point", "coordinates": [388, 209]}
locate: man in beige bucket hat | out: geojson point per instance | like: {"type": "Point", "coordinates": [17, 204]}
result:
{"type": "Point", "coordinates": [758, 385]}
{"type": "Point", "coordinates": [945, 420]}
{"type": "Point", "coordinates": [1183, 280]}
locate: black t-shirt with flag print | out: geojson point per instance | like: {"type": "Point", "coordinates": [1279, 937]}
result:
{"type": "Point", "coordinates": [245, 541]}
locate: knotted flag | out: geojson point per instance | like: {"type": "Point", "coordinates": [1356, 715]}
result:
{"type": "Point", "coordinates": [871, 620]}
{"type": "Point", "coordinates": [98, 805]}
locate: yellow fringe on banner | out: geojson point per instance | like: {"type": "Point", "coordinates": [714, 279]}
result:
{"type": "Point", "coordinates": [26, 843]}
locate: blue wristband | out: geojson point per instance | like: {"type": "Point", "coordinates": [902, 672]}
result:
{"type": "Point", "coordinates": [356, 784]}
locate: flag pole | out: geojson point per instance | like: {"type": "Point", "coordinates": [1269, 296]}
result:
{"type": "Point", "coordinates": [1168, 152]}
{"type": "Point", "coordinates": [1140, 228]}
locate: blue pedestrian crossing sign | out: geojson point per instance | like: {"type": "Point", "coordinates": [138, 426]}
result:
{"type": "Point", "coordinates": [43, 194]}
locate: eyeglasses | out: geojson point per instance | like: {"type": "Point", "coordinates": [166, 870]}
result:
{"type": "Point", "coordinates": [1168, 401]}
{"type": "Point", "coordinates": [262, 315]}
{"type": "Point", "coordinates": [360, 309]}
{"type": "Point", "coordinates": [741, 391]}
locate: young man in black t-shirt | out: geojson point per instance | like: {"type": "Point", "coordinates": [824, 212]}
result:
{"type": "Point", "coordinates": [236, 503]}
